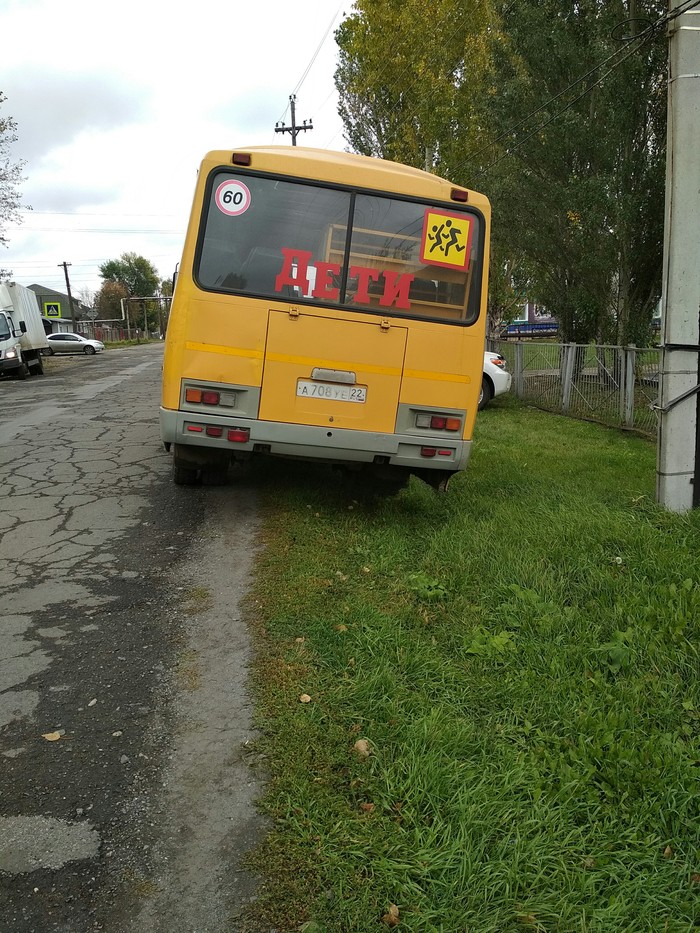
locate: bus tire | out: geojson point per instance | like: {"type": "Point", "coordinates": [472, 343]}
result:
{"type": "Point", "coordinates": [184, 475]}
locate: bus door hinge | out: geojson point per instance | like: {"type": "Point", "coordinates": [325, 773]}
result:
{"type": "Point", "coordinates": [294, 313]}
{"type": "Point", "coordinates": [384, 325]}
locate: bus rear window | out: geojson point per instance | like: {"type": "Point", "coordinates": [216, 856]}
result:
{"type": "Point", "coordinates": [275, 238]}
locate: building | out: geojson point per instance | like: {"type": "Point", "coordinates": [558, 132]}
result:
{"type": "Point", "coordinates": [55, 307]}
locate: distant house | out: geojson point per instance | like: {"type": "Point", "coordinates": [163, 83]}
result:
{"type": "Point", "coordinates": [532, 320]}
{"type": "Point", "coordinates": [55, 308]}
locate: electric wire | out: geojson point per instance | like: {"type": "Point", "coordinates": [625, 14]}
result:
{"type": "Point", "coordinates": [311, 62]}
{"type": "Point", "coordinates": [646, 36]}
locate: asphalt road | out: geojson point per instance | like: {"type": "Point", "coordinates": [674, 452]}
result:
{"type": "Point", "coordinates": [127, 785]}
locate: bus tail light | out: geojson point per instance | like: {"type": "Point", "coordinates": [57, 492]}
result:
{"type": "Point", "coordinates": [438, 422]}
{"type": "Point", "coordinates": [238, 435]}
{"type": "Point", "coordinates": [214, 430]}
{"type": "Point", "coordinates": [428, 451]}
{"type": "Point", "coordinates": [202, 396]}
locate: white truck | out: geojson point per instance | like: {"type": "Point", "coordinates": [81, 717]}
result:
{"type": "Point", "coordinates": [22, 334]}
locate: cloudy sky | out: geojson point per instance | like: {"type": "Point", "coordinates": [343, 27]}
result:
{"type": "Point", "coordinates": [116, 104]}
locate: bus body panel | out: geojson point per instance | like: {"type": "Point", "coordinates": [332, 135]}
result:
{"type": "Point", "coordinates": [258, 353]}
{"type": "Point", "coordinates": [303, 346]}
{"type": "Point", "coordinates": [312, 442]}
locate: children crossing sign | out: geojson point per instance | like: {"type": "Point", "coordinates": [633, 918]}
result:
{"type": "Point", "coordinates": [52, 309]}
{"type": "Point", "coordinates": [446, 239]}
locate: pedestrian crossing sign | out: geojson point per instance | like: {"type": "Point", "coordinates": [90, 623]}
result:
{"type": "Point", "coordinates": [446, 239]}
{"type": "Point", "coordinates": [52, 309]}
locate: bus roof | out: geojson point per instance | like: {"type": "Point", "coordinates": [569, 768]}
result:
{"type": "Point", "coordinates": [360, 170]}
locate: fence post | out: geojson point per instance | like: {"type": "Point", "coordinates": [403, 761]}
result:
{"type": "Point", "coordinates": [519, 368]}
{"type": "Point", "coordinates": [630, 380]}
{"type": "Point", "coordinates": [567, 375]}
{"type": "Point", "coordinates": [622, 383]}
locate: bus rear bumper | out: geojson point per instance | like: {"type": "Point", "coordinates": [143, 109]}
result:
{"type": "Point", "coordinates": [423, 451]}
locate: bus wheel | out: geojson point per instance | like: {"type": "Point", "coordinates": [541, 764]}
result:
{"type": "Point", "coordinates": [184, 475]}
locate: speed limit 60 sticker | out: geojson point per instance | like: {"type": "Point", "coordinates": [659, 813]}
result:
{"type": "Point", "coordinates": [232, 197]}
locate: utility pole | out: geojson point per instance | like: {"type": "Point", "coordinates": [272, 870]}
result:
{"type": "Point", "coordinates": [74, 323]}
{"type": "Point", "coordinates": [678, 457]}
{"type": "Point", "coordinates": [294, 130]}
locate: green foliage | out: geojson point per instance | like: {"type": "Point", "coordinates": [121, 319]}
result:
{"type": "Point", "coordinates": [10, 178]}
{"type": "Point", "coordinates": [474, 92]}
{"type": "Point", "coordinates": [108, 300]}
{"type": "Point", "coordinates": [521, 657]}
{"type": "Point", "coordinates": [583, 196]}
{"type": "Point", "coordinates": [134, 273]}
{"type": "Point", "coordinates": [408, 73]}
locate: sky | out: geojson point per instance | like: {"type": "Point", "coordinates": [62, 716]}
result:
{"type": "Point", "coordinates": [117, 103]}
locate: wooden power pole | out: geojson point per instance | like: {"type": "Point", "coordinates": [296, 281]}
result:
{"type": "Point", "coordinates": [293, 130]}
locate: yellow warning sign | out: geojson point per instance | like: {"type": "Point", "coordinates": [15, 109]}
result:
{"type": "Point", "coordinates": [446, 239]}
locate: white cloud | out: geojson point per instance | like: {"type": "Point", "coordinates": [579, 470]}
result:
{"type": "Point", "coordinates": [116, 103]}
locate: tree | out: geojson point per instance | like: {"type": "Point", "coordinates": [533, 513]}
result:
{"type": "Point", "coordinates": [135, 274]}
{"type": "Point", "coordinates": [407, 76]}
{"type": "Point", "coordinates": [488, 94]}
{"type": "Point", "coordinates": [581, 182]}
{"type": "Point", "coordinates": [10, 178]}
{"type": "Point", "coordinates": [108, 300]}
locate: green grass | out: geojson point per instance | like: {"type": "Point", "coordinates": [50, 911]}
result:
{"type": "Point", "coordinates": [520, 655]}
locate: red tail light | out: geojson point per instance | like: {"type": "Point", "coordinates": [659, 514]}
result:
{"type": "Point", "coordinates": [210, 398]}
{"type": "Point", "coordinates": [428, 451]}
{"type": "Point", "coordinates": [214, 431]}
{"type": "Point", "coordinates": [239, 435]}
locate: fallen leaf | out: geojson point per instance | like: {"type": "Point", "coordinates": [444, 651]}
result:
{"type": "Point", "coordinates": [300, 641]}
{"type": "Point", "coordinates": [305, 698]}
{"type": "Point", "coordinates": [341, 628]}
{"type": "Point", "coordinates": [668, 852]}
{"type": "Point", "coordinates": [391, 917]}
{"type": "Point", "coordinates": [51, 736]}
{"type": "Point", "coordinates": [367, 807]}
{"type": "Point", "coordinates": [361, 748]}
{"type": "Point", "coordinates": [695, 878]}
{"type": "Point", "coordinates": [366, 570]}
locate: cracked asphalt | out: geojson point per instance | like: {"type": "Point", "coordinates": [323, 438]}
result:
{"type": "Point", "coordinates": [127, 790]}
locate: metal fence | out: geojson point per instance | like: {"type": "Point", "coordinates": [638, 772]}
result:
{"type": "Point", "coordinates": [614, 385]}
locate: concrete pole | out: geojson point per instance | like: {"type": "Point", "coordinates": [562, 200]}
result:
{"type": "Point", "coordinates": [677, 458]}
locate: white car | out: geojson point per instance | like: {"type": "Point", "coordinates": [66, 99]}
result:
{"type": "Point", "coordinates": [73, 343]}
{"type": "Point", "coordinates": [496, 379]}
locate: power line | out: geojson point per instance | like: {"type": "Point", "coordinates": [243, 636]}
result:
{"type": "Point", "coordinates": [641, 39]}
{"type": "Point", "coordinates": [315, 55]}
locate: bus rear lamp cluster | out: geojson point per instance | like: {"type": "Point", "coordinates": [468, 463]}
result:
{"type": "Point", "coordinates": [234, 435]}
{"type": "Point", "coordinates": [438, 422]}
{"type": "Point", "coordinates": [202, 396]}
{"type": "Point", "coordinates": [435, 452]}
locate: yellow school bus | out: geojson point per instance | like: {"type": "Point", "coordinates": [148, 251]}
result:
{"type": "Point", "coordinates": [329, 307]}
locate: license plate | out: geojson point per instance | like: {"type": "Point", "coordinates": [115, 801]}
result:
{"type": "Point", "coordinates": [331, 391]}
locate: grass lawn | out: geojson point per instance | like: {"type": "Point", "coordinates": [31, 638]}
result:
{"type": "Point", "coordinates": [480, 711]}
